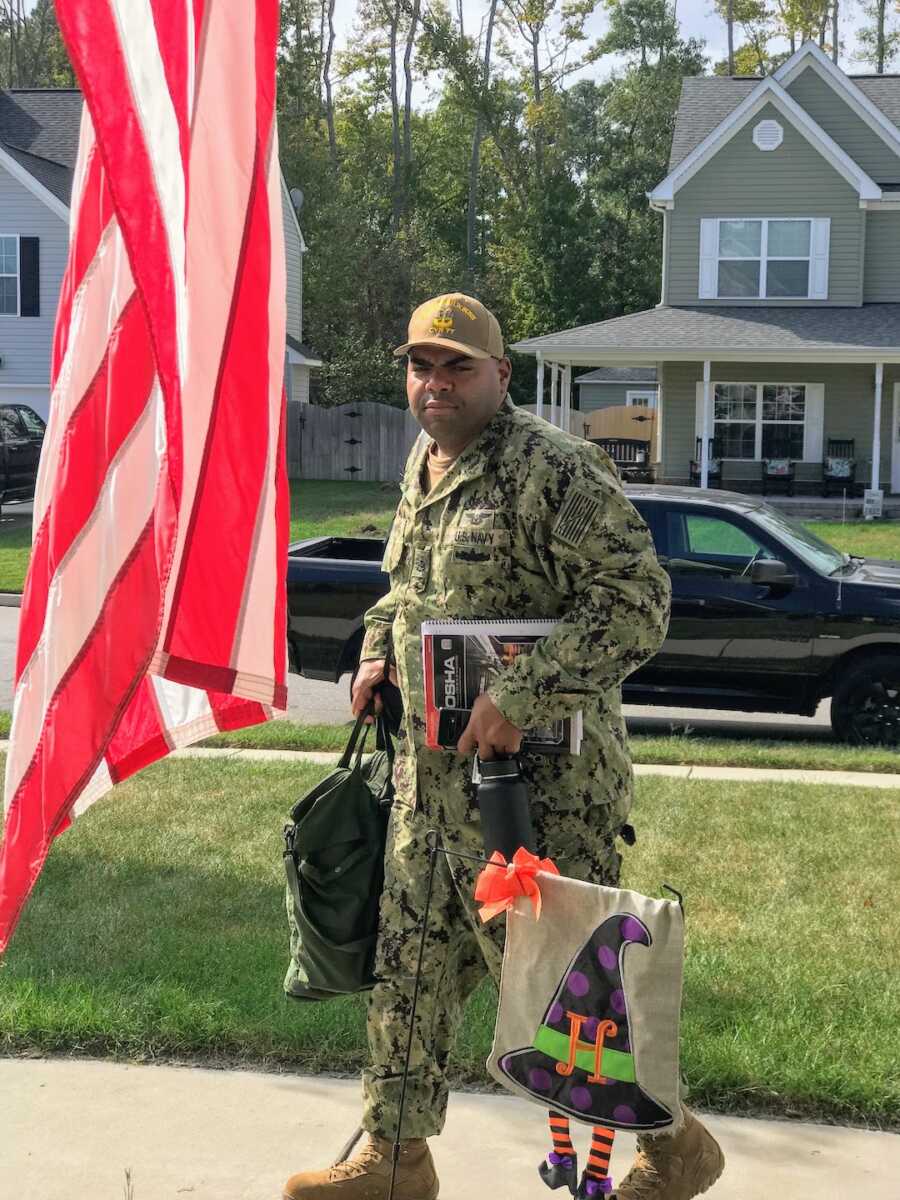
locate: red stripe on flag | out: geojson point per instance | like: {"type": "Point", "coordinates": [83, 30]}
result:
{"type": "Point", "coordinates": [233, 465]}
{"type": "Point", "coordinates": [105, 717]}
{"type": "Point", "coordinates": [91, 36]}
{"type": "Point", "coordinates": [94, 436]}
{"type": "Point", "coordinates": [94, 215]}
{"type": "Point", "coordinates": [282, 534]}
{"type": "Point", "coordinates": [140, 737]}
{"type": "Point", "coordinates": [82, 715]}
{"type": "Point", "coordinates": [232, 712]}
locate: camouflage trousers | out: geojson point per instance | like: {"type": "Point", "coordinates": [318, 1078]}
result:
{"type": "Point", "coordinates": [459, 949]}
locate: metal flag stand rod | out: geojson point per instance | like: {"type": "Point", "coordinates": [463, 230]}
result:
{"type": "Point", "coordinates": [432, 839]}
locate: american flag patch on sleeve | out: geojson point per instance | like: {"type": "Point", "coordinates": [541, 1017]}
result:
{"type": "Point", "coordinates": [576, 517]}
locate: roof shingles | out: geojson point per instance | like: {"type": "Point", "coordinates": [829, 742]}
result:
{"type": "Point", "coordinates": [39, 128]}
{"type": "Point", "coordinates": [706, 330]}
{"type": "Point", "coordinates": [706, 100]}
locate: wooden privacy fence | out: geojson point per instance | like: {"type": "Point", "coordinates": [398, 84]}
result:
{"type": "Point", "coordinates": [355, 441]}
{"type": "Point", "coordinates": [618, 421]}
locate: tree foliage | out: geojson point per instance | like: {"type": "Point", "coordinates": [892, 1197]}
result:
{"type": "Point", "coordinates": [519, 178]}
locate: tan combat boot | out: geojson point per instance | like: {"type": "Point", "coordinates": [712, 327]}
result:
{"type": "Point", "coordinates": [367, 1175]}
{"type": "Point", "coordinates": [674, 1167]}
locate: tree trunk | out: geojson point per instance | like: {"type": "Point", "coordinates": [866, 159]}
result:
{"type": "Point", "coordinates": [730, 21]}
{"type": "Point", "coordinates": [538, 98]}
{"type": "Point", "coordinates": [835, 31]}
{"type": "Point", "coordinates": [397, 197]}
{"type": "Point", "coordinates": [882, 5]}
{"type": "Point", "coordinates": [475, 160]}
{"type": "Point", "coordinates": [407, 103]}
{"type": "Point", "coordinates": [326, 79]}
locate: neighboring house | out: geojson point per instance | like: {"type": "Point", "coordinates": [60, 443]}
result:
{"type": "Point", "coordinates": [39, 130]}
{"type": "Point", "coordinates": [777, 338]}
{"type": "Point", "coordinates": [613, 387]}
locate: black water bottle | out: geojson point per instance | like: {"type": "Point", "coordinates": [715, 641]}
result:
{"type": "Point", "coordinates": [502, 799]}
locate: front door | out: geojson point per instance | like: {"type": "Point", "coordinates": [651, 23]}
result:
{"type": "Point", "coordinates": [895, 441]}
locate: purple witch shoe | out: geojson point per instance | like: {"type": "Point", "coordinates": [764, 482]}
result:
{"type": "Point", "coordinates": [593, 1189]}
{"type": "Point", "coordinates": [560, 1170]}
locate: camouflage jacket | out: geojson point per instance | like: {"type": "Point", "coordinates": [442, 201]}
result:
{"type": "Point", "coordinates": [529, 522]}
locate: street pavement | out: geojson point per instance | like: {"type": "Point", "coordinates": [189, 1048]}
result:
{"type": "Point", "coordinates": [317, 703]}
{"type": "Point", "coordinates": [71, 1128]}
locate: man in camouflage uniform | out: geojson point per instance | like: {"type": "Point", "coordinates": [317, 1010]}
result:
{"type": "Point", "coordinates": [501, 516]}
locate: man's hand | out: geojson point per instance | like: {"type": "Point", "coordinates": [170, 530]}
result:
{"type": "Point", "coordinates": [489, 731]}
{"type": "Point", "coordinates": [368, 678]}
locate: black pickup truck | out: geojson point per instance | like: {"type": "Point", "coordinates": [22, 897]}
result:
{"type": "Point", "coordinates": [766, 617]}
{"type": "Point", "coordinates": [21, 438]}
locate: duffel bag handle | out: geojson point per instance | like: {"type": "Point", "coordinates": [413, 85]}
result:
{"type": "Point", "coordinates": [360, 725]}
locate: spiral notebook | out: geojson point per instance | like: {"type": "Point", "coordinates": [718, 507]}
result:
{"type": "Point", "coordinates": [461, 658]}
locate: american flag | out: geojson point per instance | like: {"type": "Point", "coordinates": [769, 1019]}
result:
{"type": "Point", "coordinates": [154, 608]}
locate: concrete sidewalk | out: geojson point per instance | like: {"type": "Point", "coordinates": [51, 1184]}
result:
{"type": "Point", "coordinates": [70, 1128]}
{"type": "Point", "coordinates": [872, 779]}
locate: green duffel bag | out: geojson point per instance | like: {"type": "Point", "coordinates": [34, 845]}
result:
{"type": "Point", "coordinates": [334, 860]}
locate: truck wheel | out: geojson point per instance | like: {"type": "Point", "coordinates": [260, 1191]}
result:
{"type": "Point", "coordinates": [865, 707]}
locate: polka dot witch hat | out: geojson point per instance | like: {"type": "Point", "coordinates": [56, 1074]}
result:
{"type": "Point", "coordinates": [582, 1062]}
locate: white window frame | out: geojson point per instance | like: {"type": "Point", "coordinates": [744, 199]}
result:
{"type": "Point", "coordinates": [633, 395]}
{"type": "Point", "coordinates": [758, 417]}
{"type": "Point", "coordinates": [817, 258]}
{"type": "Point", "coordinates": [18, 275]}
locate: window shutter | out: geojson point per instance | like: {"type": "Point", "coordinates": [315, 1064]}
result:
{"type": "Point", "coordinates": [709, 258]}
{"type": "Point", "coordinates": [818, 262]}
{"type": "Point", "coordinates": [29, 277]}
{"type": "Point", "coordinates": [814, 430]}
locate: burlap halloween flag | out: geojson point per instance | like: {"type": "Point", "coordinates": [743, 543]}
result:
{"type": "Point", "coordinates": [590, 1004]}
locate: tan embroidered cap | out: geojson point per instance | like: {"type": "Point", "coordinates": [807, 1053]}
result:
{"type": "Point", "coordinates": [458, 322]}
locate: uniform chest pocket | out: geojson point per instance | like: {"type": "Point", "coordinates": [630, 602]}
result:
{"type": "Point", "coordinates": [396, 545]}
{"type": "Point", "coordinates": [476, 545]}
{"type": "Point", "coordinates": [480, 561]}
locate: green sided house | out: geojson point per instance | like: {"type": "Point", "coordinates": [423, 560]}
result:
{"type": "Point", "coordinates": [776, 343]}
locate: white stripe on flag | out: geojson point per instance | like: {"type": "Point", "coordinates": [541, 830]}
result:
{"type": "Point", "coordinates": [87, 145]}
{"type": "Point", "coordinates": [180, 705]}
{"type": "Point", "coordinates": [83, 579]}
{"type": "Point", "coordinates": [107, 287]}
{"type": "Point", "coordinates": [162, 140]}
{"type": "Point", "coordinates": [98, 785]}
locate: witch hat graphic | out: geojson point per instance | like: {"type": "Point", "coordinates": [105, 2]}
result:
{"type": "Point", "coordinates": [581, 1063]}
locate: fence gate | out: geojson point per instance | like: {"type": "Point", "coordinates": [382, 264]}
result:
{"type": "Point", "coordinates": [355, 441]}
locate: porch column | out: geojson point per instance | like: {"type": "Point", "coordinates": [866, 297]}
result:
{"type": "Point", "coordinates": [566, 412]}
{"type": "Point", "coordinates": [540, 384]}
{"type": "Point", "coordinates": [554, 377]}
{"type": "Point", "coordinates": [704, 436]}
{"type": "Point", "coordinates": [659, 416]}
{"type": "Point", "coordinates": [876, 431]}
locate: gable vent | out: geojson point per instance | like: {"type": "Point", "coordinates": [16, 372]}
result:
{"type": "Point", "coordinates": [768, 135]}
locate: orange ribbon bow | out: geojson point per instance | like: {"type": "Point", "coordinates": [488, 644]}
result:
{"type": "Point", "coordinates": [501, 883]}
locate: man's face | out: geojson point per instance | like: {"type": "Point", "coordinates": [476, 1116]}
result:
{"type": "Point", "coordinates": [453, 396]}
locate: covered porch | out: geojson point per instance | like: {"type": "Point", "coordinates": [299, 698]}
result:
{"type": "Point", "coordinates": [792, 402]}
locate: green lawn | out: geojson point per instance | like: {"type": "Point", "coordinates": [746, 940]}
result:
{"type": "Point", "coordinates": [15, 551]}
{"type": "Point", "coordinates": [675, 749]}
{"type": "Point", "coordinates": [320, 507]}
{"type": "Point", "coordinates": [157, 930]}
{"type": "Point", "coordinates": [870, 539]}
{"type": "Point", "coordinates": [682, 749]}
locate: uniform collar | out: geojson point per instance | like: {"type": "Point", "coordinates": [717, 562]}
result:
{"type": "Point", "coordinates": [471, 464]}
